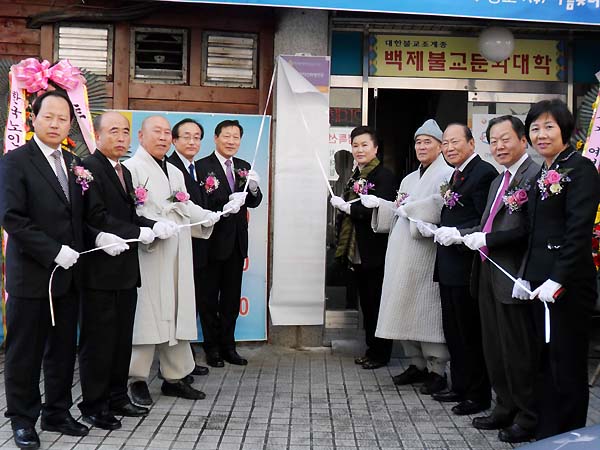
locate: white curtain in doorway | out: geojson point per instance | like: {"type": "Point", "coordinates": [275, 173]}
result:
{"type": "Point", "coordinates": [299, 200]}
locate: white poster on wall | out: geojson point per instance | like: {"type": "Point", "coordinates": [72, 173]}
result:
{"type": "Point", "coordinates": [300, 191]}
{"type": "Point", "coordinates": [482, 146]}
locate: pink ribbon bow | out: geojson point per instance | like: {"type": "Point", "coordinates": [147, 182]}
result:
{"type": "Point", "coordinates": [33, 75]}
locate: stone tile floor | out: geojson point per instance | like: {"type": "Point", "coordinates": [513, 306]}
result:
{"type": "Point", "coordinates": [289, 399]}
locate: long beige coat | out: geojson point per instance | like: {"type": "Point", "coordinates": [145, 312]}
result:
{"type": "Point", "coordinates": [410, 300]}
{"type": "Point", "coordinates": [166, 308]}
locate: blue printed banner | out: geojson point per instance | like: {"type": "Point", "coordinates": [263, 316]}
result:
{"type": "Point", "coordinates": [558, 11]}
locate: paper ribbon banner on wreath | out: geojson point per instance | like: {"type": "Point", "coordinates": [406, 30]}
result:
{"type": "Point", "coordinates": [32, 76]}
{"type": "Point", "coordinates": [592, 143]}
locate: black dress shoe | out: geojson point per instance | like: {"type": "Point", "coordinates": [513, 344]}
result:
{"type": "Point", "coordinates": [26, 437]}
{"type": "Point", "coordinates": [140, 395]}
{"type": "Point", "coordinates": [181, 389]}
{"type": "Point", "coordinates": [435, 383]}
{"type": "Point", "coordinates": [129, 410]}
{"type": "Point", "coordinates": [490, 422]}
{"type": "Point", "coordinates": [103, 420]}
{"type": "Point", "coordinates": [232, 357]}
{"type": "Point", "coordinates": [515, 433]}
{"type": "Point", "coordinates": [468, 407]}
{"type": "Point", "coordinates": [214, 360]}
{"type": "Point", "coordinates": [360, 361]}
{"type": "Point", "coordinates": [410, 376]}
{"type": "Point", "coordinates": [200, 370]}
{"type": "Point", "coordinates": [448, 396]}
{"type": "Point", "coordinates": [68, 426]}
{"type": "Point", "coordinates": [373, 364]}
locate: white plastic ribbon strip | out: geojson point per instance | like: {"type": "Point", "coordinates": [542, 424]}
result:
{"type": "Point", "coordinates": [126, 241]}
{"type": "Point", "coordinates": [202, 222]}
{"type": "Point", "coordinates": [514, 280]}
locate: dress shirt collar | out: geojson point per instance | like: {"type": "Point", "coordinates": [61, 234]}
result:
{"type": "Point", "coordinates": [466, 162]}
{"type": "Point", "coordinates": [513, 169]}
{"type": "Point", "coordinates": [222, 160]}
{"type": "Point", "coordinates": [186, 162]}
{"type": "Point", "coordinates": [46, 150]}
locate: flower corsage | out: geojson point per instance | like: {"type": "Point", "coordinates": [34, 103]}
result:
{"type": "Point", "coordinates": [552, 182]}
{"type": "Point", "coordinates": [211, 183]}
{"type": "Point", "coordinates": [451, 198]}
{"type": "Point", "coordinates": [515, 198]}
{"type": "Point", "coordinates": [179, 197]}
{"type": "Point", "coordinates": [83, 176]}
{"type": "Point", "coordinates": [140, 194]}
{"type": "Point", "coordinates": [401, 198]}
{"type": "Point", "coordinates": [362, 186]}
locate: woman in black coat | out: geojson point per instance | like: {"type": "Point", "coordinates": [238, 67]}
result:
{"type": "Point", "coordinates": [563, 200]}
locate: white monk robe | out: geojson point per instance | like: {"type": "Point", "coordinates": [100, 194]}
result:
{"type": "Point", "coordinates": [410, 300]}
{"type": "Point", "coordinates": [166, 307]}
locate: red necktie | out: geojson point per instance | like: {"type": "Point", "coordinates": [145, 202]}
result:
{"type": "Point", "coordinates": [119, 171]}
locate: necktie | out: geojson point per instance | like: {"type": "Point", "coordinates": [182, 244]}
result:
{"type": "Point", "coordinates": [230, 177]}
{"type": "Point", "coordinates": [495, 208]}
{"type": "Point", "coordinates": [456, 176]}
{"type": "Point", "coordinates": [192, 171]}
{"type": "Point", "coordinates": [60, 173]}
{"type": "Point", "coordinates": [119, 171]}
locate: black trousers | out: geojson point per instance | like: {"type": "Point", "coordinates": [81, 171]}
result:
{"type": "Point", "coordinates": [32, 341]}
{"type": "Point", "coordinates": [462, 329]}
{"type": "Point", "coordinates": [511, 352]}
{"type": "Point", "coordinates": [563, 394]}
{"type": "Point", "coordinates": [369, 283]}
{"type": "Point", "coordinates": [218, 301]}
{"type": "Point", "coordinates": [105, 348]}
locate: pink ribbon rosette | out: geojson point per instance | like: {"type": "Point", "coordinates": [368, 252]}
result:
{"type": "Point", "coordinates": [30, 76]}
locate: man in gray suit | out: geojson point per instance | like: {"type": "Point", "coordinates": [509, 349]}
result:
{"type": "Point", "coordinates": [507, 324]}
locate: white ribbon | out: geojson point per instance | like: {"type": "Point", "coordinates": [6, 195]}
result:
{"type": "Point", "coordinates": [505, 272]}
{"type": "Point", "coordinates": [81, 253]}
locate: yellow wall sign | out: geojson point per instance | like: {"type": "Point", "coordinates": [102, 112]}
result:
{"type": "Point", "coordinates": [459, 57]}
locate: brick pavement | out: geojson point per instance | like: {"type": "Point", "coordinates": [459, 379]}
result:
{"type": "Point", "coordinates": [289, 400]}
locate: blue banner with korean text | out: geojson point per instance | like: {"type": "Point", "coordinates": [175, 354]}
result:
{"type": "Point", "coordinates": [557, 11]}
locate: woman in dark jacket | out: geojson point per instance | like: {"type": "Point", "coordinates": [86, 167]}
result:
{"type": "Point", "coordinates": [558, 264]}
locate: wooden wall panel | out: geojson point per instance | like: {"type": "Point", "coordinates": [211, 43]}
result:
{"type": "Point", "coordinates": [192, 93]}
{"type": "Point", "coordinates": [161, 105]}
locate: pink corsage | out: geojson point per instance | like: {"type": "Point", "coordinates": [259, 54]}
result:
{"type": "Point", "coordinates": [179, 197]}
{"type": "Point", "coordinates": [140, 194]}
{"type": "Point", "coordinates": [451, 198]}
{"type": "Point", "coordinates": [362, 186]}
{"type": "Point", "coordinates": [551, 182]}
{"type": "Point", "coordinates": [515, 198]}
{"type": "Point", "coordinates": [401, 198]}
{"type": "Point", "coordinates": [242, 173]}
{"type": "Point", "coordinates": [211, 183]}
{"type": "Point", "coordinates": [83, 176]}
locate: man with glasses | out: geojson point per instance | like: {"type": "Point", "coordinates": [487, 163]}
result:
{"type": "Point", "coordinates": [187, 137]}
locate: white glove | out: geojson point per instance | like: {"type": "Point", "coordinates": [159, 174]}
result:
{"type": "Point", "coordinates": [212, 218]}
{"type": "Point", "coordinates": [340, 203]}
{"type": "Point", "coordinates": [546, 291]}
{"type": "Point", "coordinates": [475, 240]}
{"type": "Point", "coordinates": [253, 180]}
{"type": "Point", "coordinates": [426, 229]}
{"type": "Point", "coordinates": [447, 236]}
{"type": "Point", "coordinates": [164, 229]}
{"type": "Point", "coordinates": [117, 244]}
{"type": "Point", "coordinates": [146, 236]}
{"type": "Point", "coordinates": [369, 201]}
{"type": "Point", "coordinates": [401, 212]}
{"type": "Point", "coordinates": [239, 196]}
{"type": "Point", "coordinates": [66, 257]}
{"type": "Point", "coordinates": [519, 292]}
{"type": "Point", "coordinates": [232, 207]}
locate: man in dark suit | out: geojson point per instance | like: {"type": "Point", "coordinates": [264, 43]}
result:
{"type": "Point", "coordinates": [110, 283]}
{"type": "Point", "coordinates": [359, 246]}
{"type": "Point", "coordinates": [187, 137]}
{"type": "Point", "coordinates": [465, 200]}
{"type": "Point", "coordinates": [507, 324]}
{"type": "Point", "coordinates": [220, 281]}
{"type": "Point", "coordinates": [42, 210]}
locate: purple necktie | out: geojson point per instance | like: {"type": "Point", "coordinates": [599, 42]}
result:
{"type": "Point", "coordinates": [495, 207]}
{"type": "Point", "coordinates": [229, 174]}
